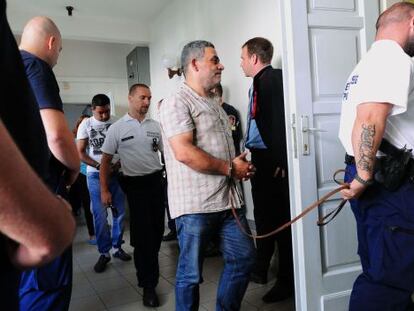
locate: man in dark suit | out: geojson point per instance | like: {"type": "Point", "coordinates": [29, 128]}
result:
{"type": "Point", "coordinates": [266, 140]}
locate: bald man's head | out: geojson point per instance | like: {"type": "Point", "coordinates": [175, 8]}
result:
{"type": "Point", "coordinates": [42, 38]}
{"type": "Point", "coordinates": [397, 24]}
{"type": "Point", "coordinates": [397, 13]}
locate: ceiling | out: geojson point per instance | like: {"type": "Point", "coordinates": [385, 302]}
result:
{"type": "Point", "coordinates": [143, 10]}
{"type": "Point", "coordinates": [118, 21]}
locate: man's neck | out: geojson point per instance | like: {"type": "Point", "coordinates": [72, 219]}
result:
{"type": "Point", "coordinates": [137, 116]}
{"type": "Point", "coordinates": [259, 68]}
{"type": "Point", "coordinates": [35, 52]}
{"type": "Point", "coordinates": [196, 87]}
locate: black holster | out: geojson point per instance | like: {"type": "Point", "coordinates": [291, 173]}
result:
{"type": "Point", "coordinates": [395, 167]}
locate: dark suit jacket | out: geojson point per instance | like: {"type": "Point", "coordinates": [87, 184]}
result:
{"type": "Point", "coordinates": [270, 113]}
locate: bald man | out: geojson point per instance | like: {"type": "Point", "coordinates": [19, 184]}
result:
{"type": "Point", "coordinates": [377, 115]}
{"type": "Point", "coordinates": [49, 287]}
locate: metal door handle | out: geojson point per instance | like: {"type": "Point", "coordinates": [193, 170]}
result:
{"type": "Point", "coordinates": [305, 134]}
{"type": "Point", "coordinates": [313, 130]}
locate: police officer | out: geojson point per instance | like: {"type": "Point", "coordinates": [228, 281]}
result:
{"type": "Point", "coordinates": [49, 287]}
{"type": "Point", "coordinates": [378, 107]}
{"type": "Point", "coordinates": [136, 139]}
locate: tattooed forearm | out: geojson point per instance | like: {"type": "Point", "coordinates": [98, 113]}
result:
{"type": "Point", "coordinates": [366, 148]}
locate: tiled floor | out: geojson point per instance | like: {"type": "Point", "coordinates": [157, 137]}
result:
{"type": "Point", "coordinates": [116, 290]}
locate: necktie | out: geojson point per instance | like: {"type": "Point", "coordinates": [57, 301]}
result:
{"type": "Point", "coordinates": [254, 108]}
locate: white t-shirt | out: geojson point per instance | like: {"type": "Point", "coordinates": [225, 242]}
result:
{"type": "Point", "coordinates": [384, 75]}
{"type": "Point", "coordinates": [95, 131]}
{"type": "Point", "coordinates": [137, 144]}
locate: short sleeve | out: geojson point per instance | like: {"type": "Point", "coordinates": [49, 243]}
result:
{"type": "Point", "coordinates": [175, 117]}
{"type": "Point", "coordinates": [44, 85]}
{"type": "Point", "coordinates": [82, 130]}
{"type": "Point", "coordinates": [385, 81]}
{"type": "Point", "coordinates": [110, 145]}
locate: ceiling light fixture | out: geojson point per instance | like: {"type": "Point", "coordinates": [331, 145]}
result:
{"type": "Point", "coordinates": [171, 64]}
{"type": "Point", "coordinates": [69, 8]}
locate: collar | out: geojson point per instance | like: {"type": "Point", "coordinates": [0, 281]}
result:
{"type": "Point", "coordinates": [259, 74]}
{"type": "Point", "coordinates": [24, 53]}
{"type": "Point", "coordinates": [127, 118]}
{"type": "Point", "coordinates": [192, 93]}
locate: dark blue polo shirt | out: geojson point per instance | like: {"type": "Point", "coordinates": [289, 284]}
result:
{"type": "Point", "coordinates": [46, 91]}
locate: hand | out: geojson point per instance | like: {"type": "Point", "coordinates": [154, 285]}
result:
{"type": "Point", "coordinates": [106, 198]}
{"type": "Point", "coordinates": [355, 190]}
{"type": "Point", "coordinates": [115, 167]}
{"type": "Point", "coordinates": [279, 171]}
{"type": "Point", "coordinates": [242, 169]}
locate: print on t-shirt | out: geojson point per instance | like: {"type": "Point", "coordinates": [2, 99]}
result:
{"type": "Point", "coordinates": [97, 135]}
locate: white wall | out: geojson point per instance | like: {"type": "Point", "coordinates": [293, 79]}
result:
{"type": "Point", "coordinates": [87, 68]}
{"type": "Point", "coordinates": [227, 24]}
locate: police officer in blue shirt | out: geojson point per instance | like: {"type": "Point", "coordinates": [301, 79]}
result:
{"type": "Point", "coordinates": [49, 287]}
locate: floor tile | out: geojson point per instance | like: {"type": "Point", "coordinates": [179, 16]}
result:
{"type": "Point", "coordinates": [109, 284]}
{"type": "Point", "coordinates": [91, 303]}
{"type": "Point", "coordinates": [120, 297]}
{"type": "Point", "coordinates": [81, 290]}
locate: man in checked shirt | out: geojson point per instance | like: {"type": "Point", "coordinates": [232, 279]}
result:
{"type": "Point", "coordinates": [203, 173]}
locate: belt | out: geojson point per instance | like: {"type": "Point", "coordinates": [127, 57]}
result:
{"type": "Point", "coordinates": [141, 176]}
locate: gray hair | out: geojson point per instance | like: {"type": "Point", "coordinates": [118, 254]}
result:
{"type": "Point", "coordinates": [193, 50]}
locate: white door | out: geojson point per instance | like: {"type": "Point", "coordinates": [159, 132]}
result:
{"type": "Point", "coordinates": [322, 42]}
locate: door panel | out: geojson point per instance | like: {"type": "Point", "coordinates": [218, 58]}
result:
{"type": "Point", "coordinates": [322, 42]}
{"type": "Point", "coordinates": [326, 43]}
{"type": "Point", "coordinates": [340, 5]}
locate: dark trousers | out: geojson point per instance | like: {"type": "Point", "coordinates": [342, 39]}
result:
{"type": "Point", "coordinates": [171, 222]}
{"type": "Point", "coordinates": [385, 227]}
{"type": "Point", "coordinates": [271, 209]}
{"type": "Point", "coordinates": [145, 195]}
{"type": "Point", "coordinates": [79, 197]}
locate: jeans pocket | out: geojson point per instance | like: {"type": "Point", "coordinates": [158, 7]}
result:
{"type": "Point", "coordinates": [393, 261]}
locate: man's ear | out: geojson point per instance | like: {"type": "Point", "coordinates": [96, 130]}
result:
{"type": "Point", "coordinates": [255, 59]}
{"type": "Point", "coordinates": [51, 42]}
{"type": "Point", "coordinates": [194, 64]}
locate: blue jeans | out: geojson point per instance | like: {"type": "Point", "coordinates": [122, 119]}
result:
{"type": "Point", "coordinates": [194, 232]}
{"type": "Point", "coordinates": [100, 214]}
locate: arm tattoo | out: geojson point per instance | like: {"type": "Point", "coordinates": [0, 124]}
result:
{"type": "Point", "coordinates": [366, 148]}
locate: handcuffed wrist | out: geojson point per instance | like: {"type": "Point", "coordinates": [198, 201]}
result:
{"type": "Point", "coordinates": [230, 169]}
{"type": "Point", "coordinates": [365, 182]}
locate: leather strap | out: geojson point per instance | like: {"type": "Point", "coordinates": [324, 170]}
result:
{"type": "Point", "coordinates": [321, 221]}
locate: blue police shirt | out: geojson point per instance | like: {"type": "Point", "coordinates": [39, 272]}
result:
{"type": "Point", "coordinates": [46, 91]}
{"type": "Point", "coordinates": [57, 273]}
{"type": "Point", "coordinates": [43, 82]}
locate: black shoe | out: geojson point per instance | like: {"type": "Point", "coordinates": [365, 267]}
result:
{"type": "Point", "coordinates": [280, 291]}
{"type": "Point", "coordinates": [120, 254]}
{"type": "Point", "coordinates": [259, 278]}
{"type": "Point", "coordinates": [100, 266]}
{"type": "Point", "coordinates": [150, 298]}
{"type": "Point", "coordinates": [171, 236]}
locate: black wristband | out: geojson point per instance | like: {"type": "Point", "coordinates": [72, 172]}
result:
{"type": "Point", "coordinates": [364, 182]}
{"type": "Point", "coordinates": [98, 166]}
